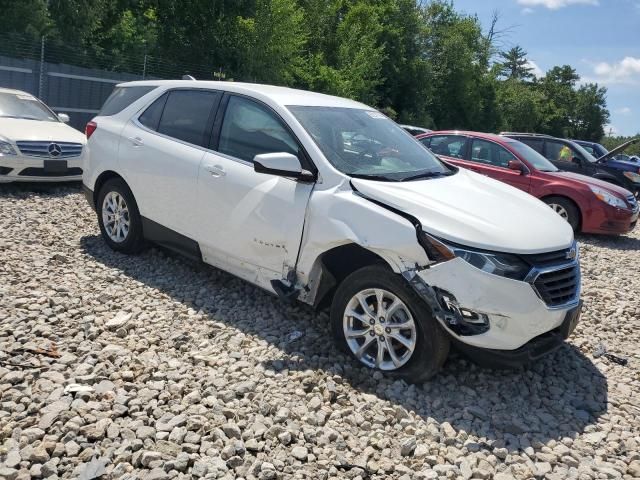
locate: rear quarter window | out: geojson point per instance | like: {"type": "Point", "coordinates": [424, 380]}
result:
{"type": "Point", "coordinates": [121, 98]}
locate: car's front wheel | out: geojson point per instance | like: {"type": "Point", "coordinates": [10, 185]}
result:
{"type": "Point", "coordinates": [566, 209]}
{"type": "Point", "coordinates": [118, 217]}
{"type": "Point", "coordinates": [381, 322]}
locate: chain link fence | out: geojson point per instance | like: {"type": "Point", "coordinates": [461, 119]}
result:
{"type": "Point", "coordinates": [76, 82]}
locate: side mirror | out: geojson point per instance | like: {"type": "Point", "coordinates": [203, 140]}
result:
{"type": "Point", "coordinates": [515, 165]}
{"type": "Point", "coordinates": [282, 164]}
{"type": "Point", "coordinates": [63, 117]}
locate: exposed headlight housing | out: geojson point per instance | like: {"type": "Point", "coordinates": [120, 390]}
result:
{"type": "Point", "coordinates": [608, 197]}
{"type": "Point", "coordinates": [633, 176]}
{"type": "Point", "coordinates": [502, 264]}
{"type": "Point", "coordinates": [6, 149]}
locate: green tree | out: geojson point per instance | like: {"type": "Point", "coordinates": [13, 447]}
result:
{"type": "Point", "coordinates": [515, 65]}
{"type": "Point", "coordinates": [520, 106]}
{"type": "Point", "coordinates": [590, 113]}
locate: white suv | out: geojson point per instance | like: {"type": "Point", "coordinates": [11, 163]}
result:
{"type": "Point", "coordinates": [330, 202]}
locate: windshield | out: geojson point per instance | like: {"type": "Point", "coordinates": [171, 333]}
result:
{"type": "Point", "coordinates": [587, 156]}
{"type": "Point", "coordinates": [23, 105]}
{"type": "Point", "coordinates": [532, 157]}
{"type": "Point", "coordinates": [367, 144]}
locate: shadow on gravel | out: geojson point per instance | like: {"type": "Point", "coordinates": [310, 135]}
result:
{"type": "Point", "coordinates": [26, 189]}
{"type": "Point", "coordinates": [612, 242]}
{"type": "Point", "coordinates": [513, 409]}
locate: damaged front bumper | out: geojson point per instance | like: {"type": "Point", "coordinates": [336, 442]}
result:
{"type": "Point", "coordinates": [490, 313]}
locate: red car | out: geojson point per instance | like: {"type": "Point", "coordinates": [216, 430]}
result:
{"type": "Point", "coordinates": [588, 204]}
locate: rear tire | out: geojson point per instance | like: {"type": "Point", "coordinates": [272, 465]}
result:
{"type": "Point", "coordinates": [566, 209]}
{"type": "Point", "coordinates": [414, 346]}
{"type": "Point", "coordinates": [119, 218]}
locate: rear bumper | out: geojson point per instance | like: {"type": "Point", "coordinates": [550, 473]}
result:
{"type": "Point", "coordinates": [609, 220]}
{"type": "Point", "coordinates": [531, 351]}
{"type": "Point", "coordinates": [21, 168]}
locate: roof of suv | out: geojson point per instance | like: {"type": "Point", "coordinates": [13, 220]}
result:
{"type": "Point", "coordinates": [486, 136]}
{"type": "Point", "coordinates": [281, 95]}
{"type": "Point", "coordinates": [16, 92]}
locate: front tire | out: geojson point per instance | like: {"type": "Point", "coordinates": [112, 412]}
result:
{"type": "Point", "coordinates": [381, 322]}
{"type": "Point", "coordinates": [566, 209]}
{"type": "Point", "coordinates": [119, 218]}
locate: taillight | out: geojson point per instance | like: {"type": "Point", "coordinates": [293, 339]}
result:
{"type": "Point", "coordinates": [90, 128]}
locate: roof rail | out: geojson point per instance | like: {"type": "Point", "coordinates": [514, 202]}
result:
{"type": "Point", "coordinates": [526, 133]}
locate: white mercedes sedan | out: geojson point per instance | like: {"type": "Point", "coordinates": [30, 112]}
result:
{"type": "Point", "coordinates": [35, 143]}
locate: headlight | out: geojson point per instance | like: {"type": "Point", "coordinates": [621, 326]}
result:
{"type": "Point", "coordinates": [502, 264]}
{"type": "Point", "coordinates": [6, 149]}
{"type": "Point", "coordinates": [608, 197]}
{"type": "Point", "coordinates": [633, 176]}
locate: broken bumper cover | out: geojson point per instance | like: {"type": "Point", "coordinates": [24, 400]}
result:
{"type": "Point", "coordinates": [531, 351]}
{"type": "Point", "coordinates": [512, 310]}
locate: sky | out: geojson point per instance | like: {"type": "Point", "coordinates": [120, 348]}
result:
{"type": "Point", "coordinates": [599, 38]}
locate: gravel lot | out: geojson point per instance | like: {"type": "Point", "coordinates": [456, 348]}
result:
{"type": "Point", "coordinates": [193, 373]}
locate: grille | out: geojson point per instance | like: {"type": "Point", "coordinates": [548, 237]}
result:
{"type": "Point", "coordinates": [559, 286]}
{"type": "Point", "coordinates": [548, 258]}
{"type": "Point", "coordinates": [39, 172]}
{"type": "Point", "coordinates": [41, 149]}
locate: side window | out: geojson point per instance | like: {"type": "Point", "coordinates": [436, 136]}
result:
{"type": "Point", "coordinates": [151, 116]}
{"type": "Point", "coordinates": [249, 129]}
{"type": "Point", "coordinates": [591, 150]}
{"type": "Point", "coordinates": [558, 151]}
{"type": "Point", "coordinates": [490, 153]}
{"type": "Point", "coordinates": [186, 115]}
{"type": "Point", "coordinates": [121, 98]}
{"type": "Point", "coordinates": [448, 145]}
{"type": "Point", "coordinates": [536, 143]}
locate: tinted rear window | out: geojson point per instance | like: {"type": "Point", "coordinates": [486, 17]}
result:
{"type": "Point", "coordinates": [121, 98]}
{"type": "Point", "coordinates": [186, 114]}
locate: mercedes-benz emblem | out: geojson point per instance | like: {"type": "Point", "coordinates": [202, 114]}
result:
{"type": "Point", "coordinates": [55, 150]}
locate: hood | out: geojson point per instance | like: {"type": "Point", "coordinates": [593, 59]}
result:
{"type": "Point", "coordinates": [576, 177]}
{"type": "Point", "coordinates": [474, 210]}
{"type": "Point", "coordinates": [618, 149]}
{"type": "Point", "coordinates": [15, 129]}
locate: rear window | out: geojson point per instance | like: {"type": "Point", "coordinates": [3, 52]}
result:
{"type": "Point", "coordinates": [122, 97]}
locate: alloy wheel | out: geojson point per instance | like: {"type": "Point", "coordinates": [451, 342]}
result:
{"type": "Point", "coordinates": [115, 217]}
{"type": "Point", "coordinates": [560, 210]}
{"type": "Point", "coordinates": [379, 329]}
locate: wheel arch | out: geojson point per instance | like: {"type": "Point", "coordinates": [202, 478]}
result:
{"type": "Point", "coordinates": [333, 266]}
{"type": "Point", "coordinates": [569, 199]}
{"type": "Point", "coordinates": [101, 180]}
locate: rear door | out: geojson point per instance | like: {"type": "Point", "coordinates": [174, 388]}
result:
{"type": "Point", "coordinates": [563, 156]}
{"type": "Point", "coordinates": [452, 148]}
{"type": "Point", "coordinates": [162, 149]}
{"type": "Point", "coordinates": [250, 223]}
{"type": "Point", "coordinates": [492, 159]}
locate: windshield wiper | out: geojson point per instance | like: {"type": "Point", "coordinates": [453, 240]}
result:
{"type": "Point", "coordinates": [427, 175]}
{"type": "Point", "coordinates": [366, 176]}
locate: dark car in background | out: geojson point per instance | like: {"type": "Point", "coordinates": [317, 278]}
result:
{"type": "Point", "coordinates": [589, 205]}
{"type": "Point", "coordinates": [614, 158]}
{"type": "Point", "coordinates": [572, 157]}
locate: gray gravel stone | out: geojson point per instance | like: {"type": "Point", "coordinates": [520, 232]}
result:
{"type": "Point", "coordinates": [193, 376]}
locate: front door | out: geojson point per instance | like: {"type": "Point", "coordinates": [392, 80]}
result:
{"type": "Point", "coordinates": [492, 160]}
{"type": "Point", "coordinates": [564, 157]}
{"type": "Point", "coordinates": [250, 224]}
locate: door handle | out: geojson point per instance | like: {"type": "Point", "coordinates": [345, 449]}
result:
{"type": "Point", "coordinates": [137, 141]}
{"type": "Point", "coordinates": [216, 170]}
